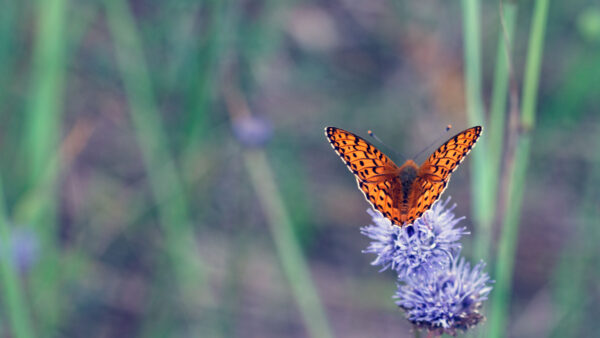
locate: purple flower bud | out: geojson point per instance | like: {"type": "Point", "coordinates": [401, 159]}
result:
{"type": "Point", "coordinates": [24, 248]}
{"type": "Point", "coordinates": [252, 131]}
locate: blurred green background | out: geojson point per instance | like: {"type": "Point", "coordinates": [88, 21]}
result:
{"type": "Point", "coordinates": [130, 208]}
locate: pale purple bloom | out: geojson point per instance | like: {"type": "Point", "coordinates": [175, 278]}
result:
{"type": "Point", "coordinates": [447, 300]}
{"type": "Point", "coordinates": [252, 131]}
{"type": "Point", "coordinates": [437, 289]}
{"type": "Point", "coordinates": [427, 245]}
{"type": "Point", "coordinates": [24, 248]}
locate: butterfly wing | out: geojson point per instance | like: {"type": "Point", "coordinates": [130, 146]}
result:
{"type": "Point", "coordinates": [365, 161]}
{"type": "Point", "coordinates": [434, 173]}
{"type": "Point", "coordinates": [383, 196]}
{"type": "Point", "coordinates": [376, 174]}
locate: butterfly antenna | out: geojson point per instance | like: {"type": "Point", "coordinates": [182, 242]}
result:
{"type": "Point", "coordinates": [385, 145]}
{"type": "Point", "coordinates": [448, 127]}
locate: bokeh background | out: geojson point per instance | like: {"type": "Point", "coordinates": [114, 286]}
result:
{"type": "Point", "coordinates": [165, 172]}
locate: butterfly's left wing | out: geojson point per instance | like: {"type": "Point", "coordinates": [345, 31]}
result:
{"type": "Point", "coordinates": [363, 159]}
{"type": "Point", "coordinates": [376, 174]}
{"type": "Point", "coordinates": [434, 173]}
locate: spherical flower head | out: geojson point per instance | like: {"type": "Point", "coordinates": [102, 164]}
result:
{"type": "Point", "coordinates": [446, 301]}
{"type": "Point", "coordinates": [252, 131]}
{"type": "Point", "coordinates": [426, 245]}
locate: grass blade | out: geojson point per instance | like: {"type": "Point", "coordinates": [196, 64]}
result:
{"type": "Point", "coordinates": [42, 134]}
{"type": "Point", "coordinates": [480, 190]}
{"type": "Point", "coordinates": [294, 266]}
{"type": "Point", "coordinates": [12, 293]}
{"type": "Point", "coordinates": [290, 254]}
{"type": "Point", "coordinates": [517, 174]}
{"type": "Point", "coordinates": [163, 177]}
{"type": "Point", "coordinates": [497, 121]}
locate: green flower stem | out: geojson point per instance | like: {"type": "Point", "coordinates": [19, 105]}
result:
{"type": "Point", "coordinates": [497, 121]}
{"type": "Point", "coordinates": [292, 261]}
{"type": "Point", "coordinates": [41, 141]}
{"type": "Point", "coordinates": [472, 56]}
{"type": "Point", "coordinates": [8, 26]}
{"type": "Point", "coordinates": [205, 70]}
{"type": "Point", "coordinates": [518, 170]}
{"type": "Point", "coordinates": [163, 177]}
{"type": "Point", "coordinates": [12, 294]}
{"type": "Point", "coordinates": [209, 58]}
{"type": "Point", "coordinates": [534, 63]}
{"type": "Point", "coordinates": [480, 189]}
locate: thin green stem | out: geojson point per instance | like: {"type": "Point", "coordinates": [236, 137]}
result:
{"type": "Point", "coordinates": [41, 142]}
{"type": "Point", "coordinates": [290, 254]}
{"type": "Point", "coordinates": [472, 55]}
{"type": "Point", "coordinates": [8, 20]}
{"type": "Point", "coordinates": [517, 174]}
{"type": "Point", "coordinates": [480, 190]}
{"type": "Point", "coordinates": [12, 293]}
{"type": "Point", "coordinates": [209, 57]}
{"type": "Point", "coordinates": [163, 177]}
{"type": "Point", "coordinates": [205, 70]}
{"type": "Point", "coordinates": [506, 247]}
{"type": "Point", "coordinates": [497, 120]}
{"type": "Point", "coordinates": [534, 63]}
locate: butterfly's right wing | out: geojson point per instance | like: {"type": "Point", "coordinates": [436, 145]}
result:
{"type": "Point", "coordinates": [434, 173]}
{"type": "Point", "coordinates": [376, 174]}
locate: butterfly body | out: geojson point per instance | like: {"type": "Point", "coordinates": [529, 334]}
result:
{"type": "Point", "coordinates": [407, 173]}
{"type": "Point", "coordinates": [401, 194]}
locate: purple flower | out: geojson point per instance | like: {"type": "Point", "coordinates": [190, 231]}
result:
{"type": "Point", "coordinates": [445, 301]}
{"type": "Point", "coordinates": [252, 131]}
{"type": "Point", "coordinates": [437, 289]}
{"type": "Point", "coordinates": [24, 248]}
{"type": "Point", "coordinates": [427, 245]}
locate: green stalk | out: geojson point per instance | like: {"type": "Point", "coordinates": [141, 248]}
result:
{"type": "Point", "coordinates": [480, 190]}
{"type": "Point", "coordinates": [534, 64]}
{"type": "Point", "coordinates": [8, 20]}
{"type": "Point", "coordinates": [12, 293]}
{"type": "Point", "coordinates": [497, 121]}
{"type": "Point", "coordinates": [508, 240]}
{"type": "Point", "coordinates": [43, 121]}
{"type": "Point", "coordinates": [205, 71]}
{"type": "Point", "coordinates": [288, 250]}
{"type": "Point", "coordinates": [171, 202]}
{"type": "Point", "coordinates": [48, 73]}
{"type": "Point", "coordinates": [208, 65]}
{"type": "Point", "coordinates": [517, 178]}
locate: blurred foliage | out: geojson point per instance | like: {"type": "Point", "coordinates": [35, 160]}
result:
{"type": "Point", "coordinates": [119, 157]}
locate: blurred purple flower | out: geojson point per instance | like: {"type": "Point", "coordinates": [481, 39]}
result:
{"type": "Point", "coordinates": [427, 245]}
{"type": "Point", "coordinates": [251, 130]}
{"type": "Point", "coordinates": [24, 248]}
{"type": "Point", "coordinates": [447, 300]}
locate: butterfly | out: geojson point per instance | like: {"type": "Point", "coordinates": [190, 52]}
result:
{"type": "Point", "coordinates": [401, 194]}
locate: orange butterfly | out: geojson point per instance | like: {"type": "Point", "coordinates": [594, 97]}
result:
{"type": "Point", "coordinates": [401, 194]}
